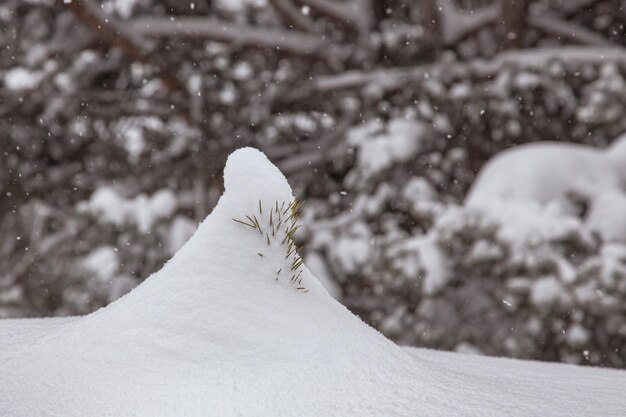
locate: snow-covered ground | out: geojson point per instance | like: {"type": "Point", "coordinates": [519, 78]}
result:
{"type": "Point", "coordinates": [235, 325]}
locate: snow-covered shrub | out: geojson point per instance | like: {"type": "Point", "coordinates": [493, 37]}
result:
{"type": "Point", "coordinates": [510, 289]}
{"type": "Point", "coordinates": [524, 280]}
{"type": "Point", "coordinates": [604, 99]}
{"type": "Point", "coordinates": [379, 146]}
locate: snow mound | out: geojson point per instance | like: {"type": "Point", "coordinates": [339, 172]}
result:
{"type": "Point", "coordinates": [226, 328]}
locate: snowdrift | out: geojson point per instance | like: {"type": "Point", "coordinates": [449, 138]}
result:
{"type": "Point", "coordinates": [235, 325]}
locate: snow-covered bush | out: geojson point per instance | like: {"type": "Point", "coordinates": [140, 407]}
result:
{"type": "Point", "coordinates": [540, 285]}
{"type": "Point", "coordinates": [524, 280]}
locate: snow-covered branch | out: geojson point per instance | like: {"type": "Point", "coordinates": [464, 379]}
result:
{"type": "Point", "coordinates": [522, 58]}
{"type": "Point", "coordinates": [456, 25]}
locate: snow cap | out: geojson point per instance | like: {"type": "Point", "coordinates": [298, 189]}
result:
{"type": "Point", "coordinates": [249, 175]}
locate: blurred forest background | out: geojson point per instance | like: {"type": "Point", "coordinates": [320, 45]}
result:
{"type": "Point", "coordinates": [116, 118]}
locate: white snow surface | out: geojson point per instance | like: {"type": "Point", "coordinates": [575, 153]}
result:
{"type": "Point", "coordinates": [215, 333]}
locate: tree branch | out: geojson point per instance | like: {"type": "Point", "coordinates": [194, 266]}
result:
{"type": "Point", "coordinates": [337, 10]}
{"type": "Point", "coordinates": [113, 33]}
{"type": "Point", "coordinates": [293, 15]}
{"type": "Point", "coordinates": [571, 7]}
{"type": "Point", "coordinates": [299, 158]}
{"type": "Point", "coordinates": [46, 247]}
{"type": "Point", "coordinates": [523, 58]}
{"type": "Point", "coordinates": [354, 13]}
{"type": "Point", "coordinates": [457, 25]}
{"type": "Point", "coordinates": [293, 42]}
{"type": "Point", "coordinates": [553, 25]}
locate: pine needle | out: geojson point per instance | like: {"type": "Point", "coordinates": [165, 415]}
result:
{"type": "Point", "coordinates": [249, 225]}
{"type": "Point", "coordinates": [258, 225]}
{"type": "Point", "coordinates": [293, 230]}
{"type": "Point", "coordinates": [297, 264]}
{"type": "Point", "coordinates": [251, 221]}
{"type": "Point", "coordinates": [291, 227]}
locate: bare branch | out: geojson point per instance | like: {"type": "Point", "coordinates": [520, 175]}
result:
{"type": "Point", "coordinates": [69, 39]}
{"type": "Point", "coordinates": [571, 7]}
{"type": "Point", "coordinates": [337, 10]}
{"type": "Point", "coordinates": [553, 25]}
{"type": "Point", "coordinates": [347, 79]}
{"type": "Point", "coordinates": [114, 33]}
{"type": "Point", "coordinates": [294, 42]}
{"type": "Point", "coordinates": [355, 13]}
{"type": "Point", "coordinates": [457, 25]}
{"type": "Point", "coordinates": [303, 157]}
{"type": "Point", "coordinates": [293, 15]}
{"type": "Point", "coordinates": [45, 248]}
{"type": "Point", "coordinates": [364, 10]}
